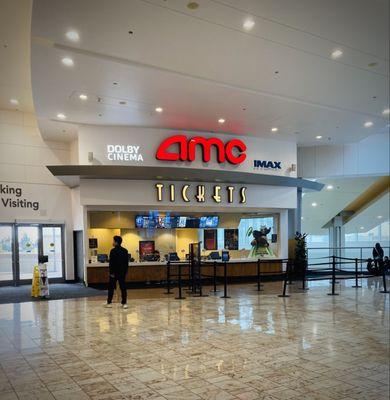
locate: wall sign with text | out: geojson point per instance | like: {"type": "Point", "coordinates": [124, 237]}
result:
{"type": "Point", "coordinates": [181, 148]}
{"type": "Point", "coordinates": [122, 152]}
{"type": "Point", "coordinates": [12, 197]}
{"type": "Point", "coordinates": [199, 193]}
{"type": "Point", "coordinates": [264, 164]}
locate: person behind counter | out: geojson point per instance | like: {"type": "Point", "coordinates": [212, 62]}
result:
{"type": "Point", "coordinates": [118, 265]}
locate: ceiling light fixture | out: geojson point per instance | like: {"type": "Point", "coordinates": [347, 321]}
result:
{"type": "Point", "coordinates": [248, 24]}
{"type": "Point", "coordinates": [73, 36]}
{"type": "Point", "coordinates": [379, 216]}
{"type": "Point", "coordinates": [362, 227]}
{"type": "Point", "coordinates": [386, 111]}
{"type": "Point", "coordinates": [83, 97]}
{"type": "Point", "coordinates": [314, 204]}
{"type": "Point", "coordinates": [274, 129]}
{"type": "Point", "coordinates": [159, 109]}
{"type": "Point", "coordinates": [336, 53]}
{"type": "Point", "coordinates": [67, 61]}
{"type": "Point", "coordinates": [318, 137]}
{"type": "Point", "coordinates": [61, 116]}
{"type": "Point", "coordinates": [368, 124]}
{"type": "Point", "coordinates": [329, 187]}
{"type": "Point", "coordinates": [192, 5]}
{"type": "Point", "coordinates": [221, 121]}
{"type": "Point", "coordinates": [14, 102]}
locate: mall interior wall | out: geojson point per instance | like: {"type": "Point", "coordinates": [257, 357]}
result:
{"type": "Point", "coordinates": [23, 159]}
{"type": "Point", "coordinates": [370, 156]}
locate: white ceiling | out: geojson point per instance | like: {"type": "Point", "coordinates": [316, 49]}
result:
{"type": "Point", "coordinates": [372, 216]}
{"type": "Point", "coordinates": [331, 202]}
{"type": "Point", "coordinates": [200, 65]}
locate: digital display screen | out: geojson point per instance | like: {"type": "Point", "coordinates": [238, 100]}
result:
{"type": "Point", "coordinates": [174, 221]}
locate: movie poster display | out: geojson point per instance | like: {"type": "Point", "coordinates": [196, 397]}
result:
{"type": "Point", "coordinates": [231, 239]}
{"type": "Point", "coordinates": [146, 247]}
{"type": "Point", "coordinates": [210, 239]}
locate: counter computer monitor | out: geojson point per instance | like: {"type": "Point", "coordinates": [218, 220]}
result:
{"type": "Point", "coordinates": [173, 257]}
{"type": "Point", "coordinates": [102, 258]}
{"type": "Point", "coordinates": [214, 255]}
{"type": "Point", "coordinates": [225, 255]}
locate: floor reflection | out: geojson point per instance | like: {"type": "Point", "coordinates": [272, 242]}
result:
{"type": "Point", "coordinates": [251, 346]}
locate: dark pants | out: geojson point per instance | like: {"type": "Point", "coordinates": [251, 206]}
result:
{"type": "Point", "coordinates": [112, 285]}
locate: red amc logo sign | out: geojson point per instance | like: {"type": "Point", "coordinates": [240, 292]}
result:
{"type": "Point", "coordinates": [232, 151]}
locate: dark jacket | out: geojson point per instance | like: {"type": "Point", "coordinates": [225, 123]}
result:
{"type": "Point", "coordinates": [119, 261]}
{"type": "Point", "coordinates": [377, 252]}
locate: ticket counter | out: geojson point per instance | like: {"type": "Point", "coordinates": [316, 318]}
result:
{"type": "Point", "coordinates": [141, 274]}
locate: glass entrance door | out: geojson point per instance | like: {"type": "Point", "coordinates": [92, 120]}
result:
{"type": "Point", "coordinates": [6, 253]}
{"type": "Point", "coordinates": [52, 247]}
{"type": "Point", "coordinates": [22, 244]}
{"type": "Point", "coordinates": [27, 250]}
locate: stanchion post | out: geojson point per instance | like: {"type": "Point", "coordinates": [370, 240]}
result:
{"type": "Point", "coordinates": [225, 296]}
{"type": "Point", "coordinates": [258, 276]}
{"type": "Point", "coordinates": [215, 290]}
{"type": "Point", "coordinates": [333, 277]}
{"type": "Point", "coordinates": [200, 282]}
{"type": "Point", "coordinates": [304, 277]}
{"type": "Point", "coordinates": [179, 297]}
{"type": "Point", "coordinates": [384, 281]}
{"type": "Point", "coordinates": [286, 278]}
{"type": "Point", "coordinates": [168, 278]}
{"type": "Point", "coordinates": [356, 274]}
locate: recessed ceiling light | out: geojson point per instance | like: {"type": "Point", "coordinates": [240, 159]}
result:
{"type": "Point", "coordinates": [221, 121]}
{"type": "Point", "coordinates": [192, 5]}
{"type": "Point", "coordinates": [314, 204]}
{"type": "Point", "coordinates": [159, 109]}
{"type": "Point", "coordinates": [61, 116]}
{"type": "Point", "coordinates": [362, 227]}
{"type": "Point", "coordinates": [336, 53]}
{"type": "Point", "coordinates": [302, 218]}
{"type": "Point", "coordinates": [318, 137]}
{"type": "Point", "coordinates": [386, 111]}
{"type": "Point", "coordinates": [274, 129]}
{"type": "Point", "coordinates": [14, 102]}
{"type": "Point", "coordinates": [248, 24]}
{"type": "Point", "coordinates": [329, 187]}
{"type": "Point", "coordinates": [83, 97]}
{"type": "Point", "coordinates": [67, 61]}
{"type": "Point", "coordinates": [368, 124]}
{"type": "Point", "coordinates": [379, 216]}
{"type": "Point", "coordinates": [73, 36]}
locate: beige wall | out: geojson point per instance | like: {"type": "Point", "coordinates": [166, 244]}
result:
{"type": "Point", "coordinates": [164, 240]}
{"type": "Point", "coordinates": [23, 159]}
{"type": "Point", "coordinates": [104, 237]}
{"type": "Point", "coordinates": [183, 239]}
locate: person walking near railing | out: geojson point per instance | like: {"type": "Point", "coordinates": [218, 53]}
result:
{"type": "Point", "coordinates": [378, 254]}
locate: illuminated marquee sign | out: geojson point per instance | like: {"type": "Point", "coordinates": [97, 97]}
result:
{"type": "Point", "coordinates": [199, 193]}
{"type": "Point", "coordinates": [121, 152]}
{"type": "Point", "coordinates": [233, 151]}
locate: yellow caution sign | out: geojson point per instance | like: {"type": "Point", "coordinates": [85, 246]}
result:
{"type": "Point", "coordinates": [35, 287]}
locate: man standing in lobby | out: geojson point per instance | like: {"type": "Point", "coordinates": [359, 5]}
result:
{"type": "Point", "coordinates": [119, 262]}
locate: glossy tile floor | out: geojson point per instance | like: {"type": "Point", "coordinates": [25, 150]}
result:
{"type": "Point", "coordinates": [308, 346]}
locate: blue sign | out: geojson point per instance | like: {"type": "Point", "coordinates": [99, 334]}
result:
{"type": "Point", "coordinates": [267, 164]}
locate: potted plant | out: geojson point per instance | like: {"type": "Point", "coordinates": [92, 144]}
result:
{"type": "Point", "coordinates": [300, 255]}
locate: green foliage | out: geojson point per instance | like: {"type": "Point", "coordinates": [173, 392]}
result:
{"type": "Point", "coordinates": [300, 256]}
{"type": "Point", "coordinates": [249, 231]}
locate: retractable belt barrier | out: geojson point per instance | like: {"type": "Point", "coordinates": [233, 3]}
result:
{"type": "Point", "coordinates": [334, 270]}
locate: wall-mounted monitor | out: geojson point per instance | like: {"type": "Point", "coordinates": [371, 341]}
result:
{"type": "Point", "coordinates": [175, 221]}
